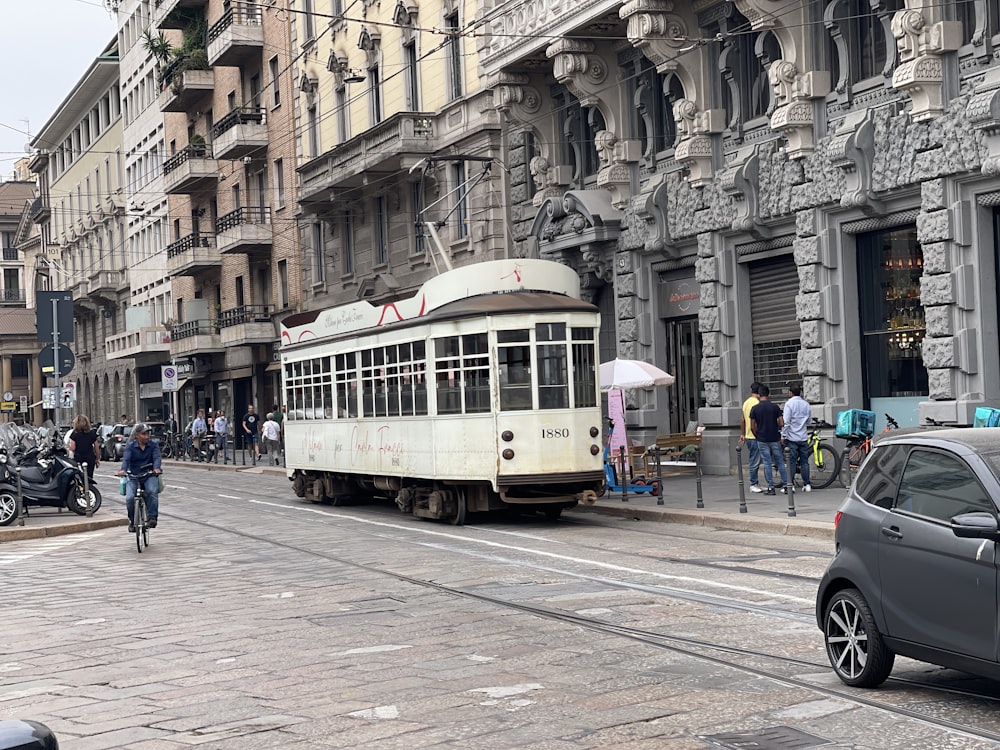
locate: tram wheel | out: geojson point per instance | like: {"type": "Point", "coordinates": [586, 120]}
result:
{"type": "Point", "coordinates": [458, 519]}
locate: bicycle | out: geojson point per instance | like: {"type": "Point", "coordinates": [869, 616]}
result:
{"type": "Point", "coordinates": [857, 450]}
{"type": "Point", "coordinates": [824, 462]}
{"type": "Point", "coordinates": [140, 514]}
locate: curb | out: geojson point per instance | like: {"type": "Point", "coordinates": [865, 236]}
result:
{"type": "Point", "coordinates": [786, 527]}
{"type": "Point", "coordinates": [17, 533]}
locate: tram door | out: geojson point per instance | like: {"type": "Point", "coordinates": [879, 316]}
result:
{"type": "Point", "coordinates": [684, 363]}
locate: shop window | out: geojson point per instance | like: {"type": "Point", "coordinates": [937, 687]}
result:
{"type": "Point", "coordinates": [892, 317]}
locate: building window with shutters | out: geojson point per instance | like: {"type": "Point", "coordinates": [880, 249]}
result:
{"type": "Point", "coordinates": [777, 337]}
{"type": "Point", "coordinates": [890, 264]}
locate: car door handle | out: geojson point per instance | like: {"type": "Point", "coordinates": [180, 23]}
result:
{"type": "Point", "coordinates": [892, 532]}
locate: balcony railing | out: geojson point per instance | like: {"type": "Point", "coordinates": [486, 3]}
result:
{"type": "Point", "coordinates": [245, 215]}
{"type": "Point", "coordinates": [241, 14]}
{"type": "Point", "coordinates": [194, 151]}
{"type": "Point", "coordinates": [186, 330]}
{"type": "Point", "coordinates": [245, 314]}
{"type": "Point", "coordinates": [190, 242]}
{"type": "Point", "coordinates": [13, 296]}
{"type": "Point", "coordinates": [10, 253]}
{"type": "Point", "coordinates": [240, 116]}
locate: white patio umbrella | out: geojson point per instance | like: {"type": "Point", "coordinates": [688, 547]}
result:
{"type": "Point", "coordinates": [626, 374]}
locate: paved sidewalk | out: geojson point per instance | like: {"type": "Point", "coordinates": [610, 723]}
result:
{"type": "Point", "coordinates": [814, 511]}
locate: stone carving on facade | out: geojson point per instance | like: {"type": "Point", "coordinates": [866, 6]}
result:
{"type": "Point", "coordinates": [550, 181]}
{"type": "Point", "coordinates": [852, 150]}
{"type": "Point", "coordinates": [983, 112]}
{"type": "Point", "coordinates": [920, 73]}
{"type": "Point", "coordinates": [792, 114]}
{"type": "Point", "coordinates": [649, 207]}
{"type": "Point", "coordinates": [369, 42]}
{"type": "Point", "coordinates": [579, 228]}
{"type": "Point", "coordinates": [739, 180]}
{"type": "Point", "coordinates": [584, 73]}
{"type": "Point", "coordinates": [514, 98]}
{"type": "Point", "coordinates": [655, 31]}
{"type": "Point", "coordinates": [615, 174]}
{"type": "Point", "coordinates": [694, 139]}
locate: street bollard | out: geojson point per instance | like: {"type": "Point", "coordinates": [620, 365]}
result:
{"type": "Point", "coordinates": [790, 484]}
{"type": "Point", "coordinates": [659, 475]}
{"type": "Point", "coordinates": [739, 473]}
{"type": "Point", "coordinates": [622, 478]}
{"type": "Point", "coordinates": [243, 449]}
{"type": "Point", "coordinates": [86, 489]}
{"type": "Point", "coordinates": [20, 497]}
{"type": "Point", "coordinates": [697, 475]}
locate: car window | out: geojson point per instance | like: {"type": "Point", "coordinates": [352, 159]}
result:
{"type": "Point", "coordinates": [876, 483]}
{"type": "Point", "coordinates": [940, 486]}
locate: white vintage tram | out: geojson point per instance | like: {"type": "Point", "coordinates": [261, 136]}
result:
{"type": "Point", "coordinates": [479, 392]}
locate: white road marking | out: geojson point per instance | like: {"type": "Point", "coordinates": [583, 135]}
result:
{"type": "Point", "coordinates": [40, 548]}
{"type": "Point", "coordinates": [522, 535]}
{"type": "Point", "coordinates": [282, 595]}
{"type": "Point", "coordinates": [539, 553]}
{"type": "Point", "coordinates": [379, 712]}
{"type": "Point", "coordinates": [506, 691]}
{"type": "Point", "coordinates": [229, 497]}
{"type": "Point", "coordinates": [370, 650]}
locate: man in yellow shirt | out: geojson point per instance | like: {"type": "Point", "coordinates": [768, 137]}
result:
{"type": "Point", "coordinates": [748, 440]}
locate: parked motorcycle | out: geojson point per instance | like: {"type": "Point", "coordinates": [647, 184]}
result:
{"type": "Point", "coordinates": [191, 452]}
{"type": "Point", "coordinates": [49, 477]}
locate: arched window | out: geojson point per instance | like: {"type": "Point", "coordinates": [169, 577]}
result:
{"type": "Point", "coordinates": [863, 44]}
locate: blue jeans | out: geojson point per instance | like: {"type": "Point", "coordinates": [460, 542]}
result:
{"type": "Point", "coordinates": [753, 459]}
{"type": "Point", "coordinates": [799, 452]}
{"type": "Point", "coordinates": [152, 485]}
{"type": "Point", "coordinates": [221, 444]}
{"type": "Point", "coordinates": [770, 453]}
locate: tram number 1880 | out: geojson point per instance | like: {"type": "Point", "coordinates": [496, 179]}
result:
{"type": "Point", "coordinates": [554, 432]}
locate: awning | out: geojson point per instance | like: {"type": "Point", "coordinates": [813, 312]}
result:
{"type": "Point", "coordinates": [273, 367]}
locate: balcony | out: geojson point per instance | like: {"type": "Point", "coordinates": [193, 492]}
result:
{"type": "Point", "coordinates": [10, 253]}
{"type": "Point", "coordinates": [82, 301]}
{"type": "Point", "coordinates": [190, 170]}
{"type": "Point", "coordinates": [193, 254]}
{"type": "Point", "coordinates": [390, 147]}
{"type": "Point", "coordinates": [247, 324]}
{"type": "Point", "coordinates": [237, 37]}
{"type": "Point", "coordinates": [195, 337]}
{"type": "Point", "coordinates": [153, 339]}
{"type": "Point", "coordinates": [240, 133]}
{"type": "Point", "coordinates": [114, 204]}
{"type": "Point", "coordinates": [245, 231]}
{"type": "Point", "coordinates": [176, 14]}
{"type": "Point", "coordinates": [13, 297]}
{"type": "Point", "coordinates": [40, 212]}
{"type": "Point", "coordinates": [105, 284]}
{"type": "Point", "coordinates": [181, 90]}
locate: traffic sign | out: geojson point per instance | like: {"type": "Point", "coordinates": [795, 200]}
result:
{"type": "Point", "coordinates": [24, 404]}
{"type": "Point", "coordinates": [46, 359]}
{"type": "Point", "coordinates": [168, 377]}
{"type": "Point", "coordinates": [49, 398]}
{"type": "Point", "coordinates": [45, 321]}
{"type": "Point", "coordinates": [8, 406]}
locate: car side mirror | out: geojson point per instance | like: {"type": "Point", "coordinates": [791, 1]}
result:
{"type": "Point", "coordinates": [978, 525]}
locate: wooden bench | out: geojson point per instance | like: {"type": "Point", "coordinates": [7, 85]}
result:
{"type": "Point", "coordinates": [678, 450]}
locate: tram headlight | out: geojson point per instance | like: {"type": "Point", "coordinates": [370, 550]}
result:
{"type": "Point", "coordinates": [594, 432]}
{"type": "Point", "coordinates": [507, 453]}
{"type": "Point", "coordinates": [594, 450]}
{"type": "Point", "coordinates": [506, 436]}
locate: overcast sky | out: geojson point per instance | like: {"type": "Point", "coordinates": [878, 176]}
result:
{"type": "Point", "coordinates": [45, 48]}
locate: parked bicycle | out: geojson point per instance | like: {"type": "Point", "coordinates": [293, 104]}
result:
{"type": "Point", "coordinates": [857, 450]}
{"type": "Point", "coordinates": [824, 462]}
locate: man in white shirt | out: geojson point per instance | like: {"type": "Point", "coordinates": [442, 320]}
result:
{"type": "Point", "coordinates": [795, 433]}
{"type": "Point", "coordinates": [221, 426]}
{"type": "Point", "coordinates": [271, 433]}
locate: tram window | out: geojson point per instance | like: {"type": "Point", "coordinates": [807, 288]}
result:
{"type": "Point", "coordinates": [476, 372]}
{"type": "Point", "coordinates": [553, 377]}
{"type": "Point", "coordinates": [550, 332]}
{"type": "Point", "coordinates": [513, 337]}
{"type": "Point", "coordinates": [447, 365]}
{"type": "Point", "coordinates": [515, 377]}
{"type": "Point", "coordinates": [584, 373]}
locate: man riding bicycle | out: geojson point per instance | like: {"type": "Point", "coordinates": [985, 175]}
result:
{"type": "Point", "coordinates": [139, 453]}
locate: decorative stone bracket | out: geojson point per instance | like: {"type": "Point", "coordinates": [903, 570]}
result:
{"type": "Point", "coordinates": [694, 142]}
{"type": "Point", "coordinates": [852, 149]}
{"type": "Point", "coordinates": [655, 31]}
{"type": "Point", "coordinates": [615, 174]}
{"type": "Point", "coordinates": [983, 112]}
{"type": "Point", "coordinates": [550, 181]}
{"type": "Point", "coordinates": [649, 206]}
{"type": "Point", "coordinates": [575, 65]}
{"type": "Point", "coordinates": [793, 113]}
{"type": "Point", "coordinates": [920, 73]}
{"type": "Point", "coordinates": [739, 180]}
{"type": "Point", "coordinates": [514, 98]}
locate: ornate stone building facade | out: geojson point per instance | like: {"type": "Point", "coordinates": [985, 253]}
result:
{"type": "Point", "coordinates": [761, 190]}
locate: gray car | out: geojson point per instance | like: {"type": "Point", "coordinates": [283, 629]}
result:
{"type": "Point", "coordinates": [916, 566]}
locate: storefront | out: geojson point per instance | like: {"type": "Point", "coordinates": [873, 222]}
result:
{"type": "Point", "coordinates": [679, 302]}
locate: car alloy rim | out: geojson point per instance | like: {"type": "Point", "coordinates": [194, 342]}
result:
{"type": "Point", "coordinates": [846, 639]}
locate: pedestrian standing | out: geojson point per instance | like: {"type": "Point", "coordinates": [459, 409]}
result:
{"type": "Point", "coordinates": [221, 426]}
{"type": "Point", "coordinates": [198, 430]}
{"type": "Point", "coordinates": [749, 440]}
{"type": "Point", "coordinates": [795, 432]}
{"type": "Point", "coordinates": [83, 442]}
{"type": "Point", "coordinates": [251, 425]}
{"type": "Point", "coordinates": [766, 422]}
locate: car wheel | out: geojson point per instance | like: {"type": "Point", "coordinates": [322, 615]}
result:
{"type": "Point", "coordinates": [854, 645]}
{"type": "Point", "coordinates": [8, 507]}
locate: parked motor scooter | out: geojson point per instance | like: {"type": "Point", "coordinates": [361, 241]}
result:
{"type": "Point", "coordinates": [49, 478]}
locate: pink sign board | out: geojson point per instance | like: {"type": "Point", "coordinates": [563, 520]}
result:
{"type": "Point", "coordinates": [616, 413]}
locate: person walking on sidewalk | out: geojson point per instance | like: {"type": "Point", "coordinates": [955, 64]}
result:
{"type": "Point", "coordinates": [749, 440]}
{"type": "Point", "coordinates": [795, 432]}
{"type": "Point", "coordinates": [221, 433]}
{"type": "Point", "coordinates": [251, 426]}
{"type": "Point", "coordinates": [766, 422]}
{"type": "Point", "coordinates": [270, 432]}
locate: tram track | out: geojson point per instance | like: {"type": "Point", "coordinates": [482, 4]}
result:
{"type": "Point", "coordinates": [705, 651]}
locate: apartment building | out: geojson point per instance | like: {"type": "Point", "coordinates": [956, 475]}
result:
{"type": "Point", "coordinates": [394, 129]}
{"type": "Point", "coordinates": [805, 192]}
{"type": "Point", "coordinates": [232, 255]}
{"type": "Point", "coordinates": [80, 211]}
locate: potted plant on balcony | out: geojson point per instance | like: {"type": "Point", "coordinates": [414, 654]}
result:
{"type": "Point", "coordinates": [197, 144]}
